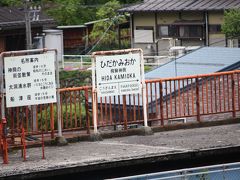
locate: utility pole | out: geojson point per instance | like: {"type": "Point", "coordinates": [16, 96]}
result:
{"type": "Point", "coordinates": [30, 15]}
{"type": "Point", "coordinates": [28, 25]}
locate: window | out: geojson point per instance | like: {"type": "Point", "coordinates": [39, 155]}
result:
{"type": "Point", "coordinates": [215, 28]}
{"type": "Point", "coordinates": [167, 31]}
{"type": "Point", "coordinates": [163, 31]}
{"type": "Point", "coordinates": [143, 34]}
{"type": "Point", "coordinates": [191, 31]}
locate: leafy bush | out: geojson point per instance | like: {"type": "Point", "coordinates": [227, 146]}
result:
{"type": "Point", "coordinates": [75, 78]}
{"type": "Point", "coordinates": [79, 115]}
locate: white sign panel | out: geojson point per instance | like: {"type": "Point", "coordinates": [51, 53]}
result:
{"type": "Point", "coordinates": [30, 79]}
{"type": "Point", "coordinates": [118, 74]}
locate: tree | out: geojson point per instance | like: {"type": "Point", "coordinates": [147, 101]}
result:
{"type": "Point", "coordinates": [231, 25]}
{"type": "Point", "coordinates": [10, 3]}
{"type": "Point", "coordinates": [105, 29]}
{"type": "Point", "coordinates": [65, 11]}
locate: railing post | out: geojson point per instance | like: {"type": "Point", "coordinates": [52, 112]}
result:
{"type": "Point", "coordinates": [52, 120]}
{"type": "Point", "coordinates": [161, 102]}
{"type": "Point", "coordinates": [124, 112]}
{"type": "Point", "coordinates": [87, 110]}
{"type": "Point", "coordinates": [197, 100]}
{"type": "Point", "coordinates": [4, 139]}
{"type": "Point", "coordinates": [233, 96]}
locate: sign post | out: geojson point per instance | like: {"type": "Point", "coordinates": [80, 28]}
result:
{"type": "Point", "coordinates": [119, 72]}
{"type": "Point", "coordinates": [31, 79]}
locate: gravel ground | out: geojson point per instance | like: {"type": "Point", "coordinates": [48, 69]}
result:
{"type": "Point", "coordinates": [125, 148]}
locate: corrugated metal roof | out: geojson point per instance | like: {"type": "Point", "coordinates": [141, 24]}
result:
{"type": "Point", "coordinates": [14, 17]}
{"type": "Point", "coordinates": [202, 61]}
{"type": "Point", "coordinates": [182, 5]}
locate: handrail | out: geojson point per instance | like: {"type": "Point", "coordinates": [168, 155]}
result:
{"type": "Point", "coordinates": [192, 76]}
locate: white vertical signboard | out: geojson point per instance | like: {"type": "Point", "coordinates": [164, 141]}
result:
{"type": "Point", "coordinates": [118, 74]}
{"type": "Point", "coordinates": [30, 79]}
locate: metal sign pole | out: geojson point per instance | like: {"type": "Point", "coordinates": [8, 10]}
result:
{"type": "Point", "coordinates": [143, 91]}
{"type": "Point", "coordinates": [58, 97]}
{"type": "Point", "coordinates": [94, 95]}
{"type": "Point", "coordinates": [2, 89]}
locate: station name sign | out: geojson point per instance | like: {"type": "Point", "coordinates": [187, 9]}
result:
{"type": "Point", "coordinates": [118, 74]}
{"type": "Point", "coordinates": [30, 79]}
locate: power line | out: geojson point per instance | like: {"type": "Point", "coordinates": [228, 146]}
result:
{"type": "Point", "coordinates": [101, 37]}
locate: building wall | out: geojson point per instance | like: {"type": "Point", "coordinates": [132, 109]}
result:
{"type": "Point", "coordinates": [215, 17]}
{"type": "Point", "coordinates": [2, 44]}
{"type": "Point", "coordinates": [142, 20]}
{"type": "Point", "coordinates": [216, 39]}
{"type": "Point", "coordinates": [167, 18]}
{"type": "Point", "coordinates": [192, 15]}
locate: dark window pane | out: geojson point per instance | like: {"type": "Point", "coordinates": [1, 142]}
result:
{"type": "Point", "coordinates": [195, 31]}
{"type": "Point", "coordinates": [163, 31]}
{"type": "Point", "coordinates": [215, 28]}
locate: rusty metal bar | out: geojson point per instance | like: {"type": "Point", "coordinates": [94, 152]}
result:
{"type": "Point", "coordinates": [66, 111]}
{"type": "Point", "coordinates": [238, 83]}
{"type": "Point", "coordinates": [106, 110]}
{"type": "Point", "coordinates": [161, 102]}
{"type": "Point", "coordinates": [51, 120]}
{"type": "Point", "coordinates": [101, 111]}
{"type": "Point", "coordinates": [146, 99]}
{"type": "Point", "coordinates": [139, 112]}
{"type": "Point", "coordinates": [215, 94]}
{"type": "Point", "coordinates": [233, 97]}
{"type": "Point", "coordinates": [183, 98]}
{"type": "Point", "coordinates": [175, 98]}
{"type": "Point", "coordinates": [87, 111]}
{"type": "Point", "coordinates": [170, 94]}
{"type": "Point", "coordinates": [219, 94]}
{"type": "Point", "coordinates": [130, 107]}
{"type": "Point", "coordinates": [188, 109]}
{"type": "Point", "coordinates": [207, 96]}
{"type": "Point", "coordinates": [166, 102]}
{"type": "Point", "coordinates": [110, 110]}
{"type": "Point", "coordinates": [75, 109]}
{"type": "Point", "coordinates": [203, 108]}
{"type": "Point", "coordinates": [70, 104]}
{"type": "Point", "coordinates": [193, 112]}
{"type": "Point", "coordinates": [224, 98]}
{"type": "Point", "coordinates": [80, 108]}
{"type": "Point", "coordinates": [179, 99]}
{"type": "Point", "coordinates": [46, 117]}
{"type": "Point", "coordinates": [194, 76]}
{"type": "Point", "coordinates": [197, 100]}
{"type": "Point", "coordinates": [134, 107]}
{"type": "Point", "coordinates": [119, 111]}
{"type": "Point", "coordinates": [125, 112]}
{"type": "Point", "coordinates": [156, 98]}
{"type": "Point", "coordinates": [211, 87]}
{"type": "Point", "coordinates": [115, 110]}
{"type": "Point", "coordinates": [228, 98]}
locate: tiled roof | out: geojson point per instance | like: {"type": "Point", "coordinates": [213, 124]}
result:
{"type": "Point", "coordinates": [11, 18]}
{"type": "Point", "coordinates": [182, 5]}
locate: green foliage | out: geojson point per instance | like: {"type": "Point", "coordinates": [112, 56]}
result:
{"type": "Point", "coordinates": [75, 78]}
{"type": "Point", "coordinates": [67, 112]}
{"type": "Point", "coordinates": [10, 3]}
{"type": "Point", "coordinates": [147, 68]}
{"type": "Point", "coordinates": [231, 25]}
{"type": "Point", "coordinates": [65, 12]}
{"type": "Point", "coordinates": [106, 31]}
